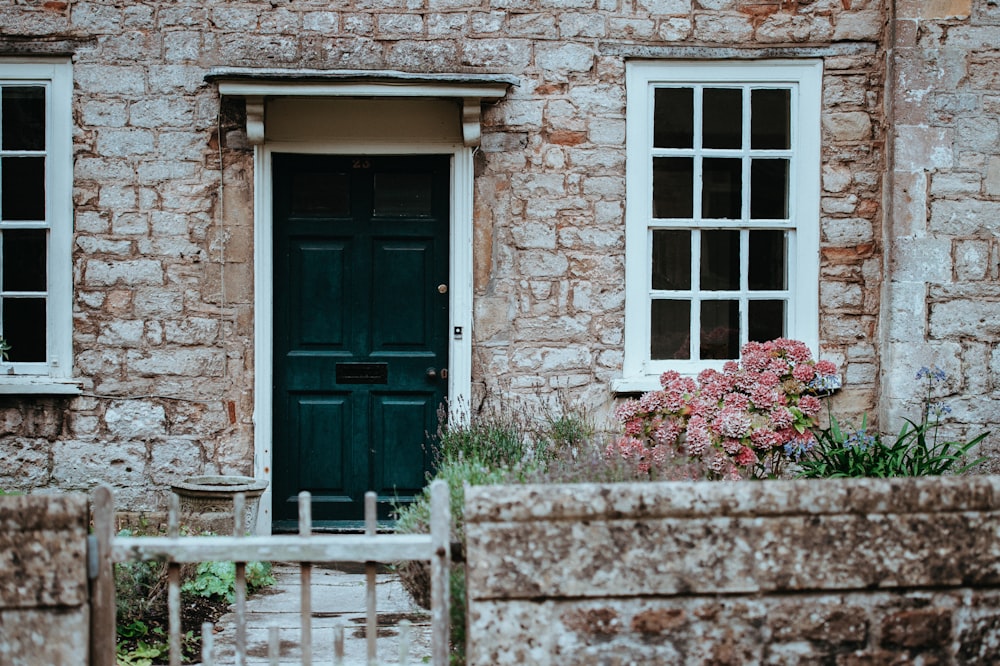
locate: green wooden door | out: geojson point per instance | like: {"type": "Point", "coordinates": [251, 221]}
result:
{"type": "Point", "coordinates": [360, 329]}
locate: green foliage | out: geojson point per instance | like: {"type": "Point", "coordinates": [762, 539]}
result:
{"type": "Point", "coordinates": [915, 451]}
{"type": "Point", "coordinates": [513, 444]}
{"type": "Point", "coordinates": [218, 579]}
{"type": "Point", "coordinates": [140, 597]}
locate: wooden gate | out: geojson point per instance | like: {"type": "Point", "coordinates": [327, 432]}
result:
{"type": "Point", "coordinates": [305, 549]}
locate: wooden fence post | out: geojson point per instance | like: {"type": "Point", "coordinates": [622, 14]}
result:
{"type": "Point", "coordinates": [440, 572]}
{"type": "Point", "coordinates": [102, 581]}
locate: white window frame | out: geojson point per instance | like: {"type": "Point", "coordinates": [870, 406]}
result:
{"type": "Point", "coordinates": [56, 75]}
{"type": "Point", "coordinates": [640, 373]}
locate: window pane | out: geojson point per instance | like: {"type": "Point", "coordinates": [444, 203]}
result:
{"type": "Point", "coordinates": [402, 195]}
{"type": "Point", "coordinates": [769, 189]}
{"type": "Point", "coordinates": [769, 119]}
{"type": "Point", "coordinates": [671, 259]}
{"type": "Point", "coordinates": [720, 329]}
{"type": "Point", "coordinates": [322, 194]}
{"type": "Point", "coordinates": [767, 261]}
{"type": "Point", "coordinates": [23, 113]}
{"type": "Point", "coordinates": [723, 118]}
{"type": "Point", "coordinates": [722, 188]}
{"type": "Point", "coordinates": [24, 260]}
{"type": "Point", "coordinates": [720, 260]}
{"type": "Point", "coordinates": [766, 320]}
{"type": "Point", "coordinates": [670, 329]}
{"type": "Point", "coordinates": [673, 187]}
{"type": "Point", "coordinates": [673, 118]}
{"type": "Point", "coordinates": [23, 188]}
{"type": "Point", "coordinates": [24, 329]}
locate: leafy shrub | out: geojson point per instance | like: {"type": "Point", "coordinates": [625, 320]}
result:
{"type": "Point", "coordinates": [218, 579]}
{"type": "Point", "coordinates": [741, 422]}
{"type": "Point", "coordinates": [141, 603]}
{"type": "Point", "coordinates": [915, 450]}
{"type": "Point", "coordinates": [511, 444]}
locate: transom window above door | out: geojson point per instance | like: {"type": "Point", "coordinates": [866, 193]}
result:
{"type": "Point", "coordinates": [722, 212]}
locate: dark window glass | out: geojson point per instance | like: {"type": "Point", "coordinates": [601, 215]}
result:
{"type": "Point", "coordinates": [723, 118]}
{"type": "Point", "coordinates": [720, 329]}
{"type": "Point", "coordinates": [673, 187]}
{"type": "Point", "coordinates": [769, 189]}
{"type": "Point", "coordinates": [24, 329]}
{"type": "Point", "coordinates": [671, 259]}
{"type": "Point", "coordinates": [766, 320]}
{"type": "Point", "coordinates": [770, 113]}
{"type": "Point", "coordinates": [24, 260]}
{"type": "Point", "coordinates": [720, 260]}
{"type": "Point", "coordinates": [327, 194]}
{"type": "Point", "coordinates": [402, 194]}
{"type": "Point", "coordinates": [722, 188]}
{"type": "Point", "coordinates": [673, 118]}
{"type": "Point", "coordinates": [23, 115]}
{"type": "Point", "coordinates": [22, 188]}
{"type": "Point", "coordinates": [670, 329]}
{"type": "Point", "coordinates": [767, 268]}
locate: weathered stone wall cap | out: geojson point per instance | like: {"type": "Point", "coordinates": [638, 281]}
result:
{"type": "Point", "coordinates": [344, 75]}
{"type": "Point", "coordinates": [28, 513]}
{"type": "Point", "coordinates": [764, 498]}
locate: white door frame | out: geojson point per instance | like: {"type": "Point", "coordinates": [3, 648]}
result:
{"type": "Point", "coordinates": [459, 289]}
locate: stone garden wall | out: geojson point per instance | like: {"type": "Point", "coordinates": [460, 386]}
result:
{"type": "Point", "coordinates": [834, 571]}
{"type": "Point", "coordinates": [44, 612]}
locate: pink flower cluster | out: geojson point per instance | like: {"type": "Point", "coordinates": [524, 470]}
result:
{"type": "Point", "coordinates": [732, 423]}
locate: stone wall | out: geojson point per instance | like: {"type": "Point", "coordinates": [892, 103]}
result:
{"type": "Point", "coordinates": [163, 258]}
{"type": "Point", "coordinates": [835, 571]}
{"type": "Point", "coordinates": [44, 612]}
{"type": "Point", "coordinates": [943, 299]}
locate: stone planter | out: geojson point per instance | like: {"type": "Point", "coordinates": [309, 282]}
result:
{"type": "Point", "coordinates": [207, 501]}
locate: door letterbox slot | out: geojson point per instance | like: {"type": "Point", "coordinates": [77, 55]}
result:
{"type": "Point", "coordinates": [362, 373]}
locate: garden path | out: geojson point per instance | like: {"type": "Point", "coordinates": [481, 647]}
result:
{"type": "Point", "coordinates": [338, 594]}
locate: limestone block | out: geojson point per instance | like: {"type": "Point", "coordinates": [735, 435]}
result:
{"type": "Point", "coordinates": [175, 362]}
{"type": "Point", "coordinates": [135, 419]}
{"type": "Point", "coordinates": [782, 28]}
{"type": "Point", "coordinates": [972, 260]}
{"type": "Point", "coordinates": [175, 78]}
{"type": "Point", "coordinates": [25, 463]}
{"type": "Point", "coordinates": [847, 231]}
{"type": "Point", "coordinates": [423, 55]}
{"type": "Point", "coordinates": [510, 54]}
{"type": "Point", "coordinates": [840, 295]}
{"type": "Point", "coordinates": [444, 25]}
{"type": "Point", "coordinates": [992, 184]}
{"type": "Point", "coordinates": [631, 28]}
{"type": "Point", "coordinates": [721, 28]}
{"type": "Point", "coordinates": [564, 58]}
{"type": "Point", "coordinates": [665, 7]}
{"type": "Point", "coordinates": [400, 24]}
{"type": "Point", "coordinates": [29, 637]}
{"type": "Point", "coordinates": [162, 112]}
{"type": "Point", "coordinates": [975, 318]}
{"type": "Point", "coordinates": [132, 272]}
{"type": "Point", "coordinates": [95, 18]}
{"type": "Point", "coordinates": [965, 217]}
{"type": "Point", "coordinates": [921, 259]}
{"type": "Point", "coordinates": [590, 24]}
{"type": "Point", "coordinates": [924, 148]}
{"type": "Point", "coordinates": [531, 25]}
{"type": "Point", "coordinates": [907, 304]}
{"type": "Point", "coordinates": [848, 125]}
{"type": "Point", "coordinates": [181, 46]}
{"type": "Point", "coordinates": [864, 25]}
{"type": "Point", "coordinates": [125, 142]}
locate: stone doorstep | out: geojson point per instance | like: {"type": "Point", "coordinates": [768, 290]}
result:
{"type": "Point", "coordinates": [336, 595]}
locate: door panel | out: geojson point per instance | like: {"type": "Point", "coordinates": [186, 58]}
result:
{"type": "Point", "coordinates": [360, 249]}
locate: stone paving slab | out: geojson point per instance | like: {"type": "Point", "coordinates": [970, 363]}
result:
{"type": "Point", "coordinates": [338, 595]}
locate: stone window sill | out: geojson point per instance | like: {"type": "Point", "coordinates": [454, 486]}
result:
{"type": "Point", "coordinates": [36, 385]}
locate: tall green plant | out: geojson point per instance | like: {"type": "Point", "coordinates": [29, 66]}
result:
{"type": "Point", "coordinates": [916, 450]}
